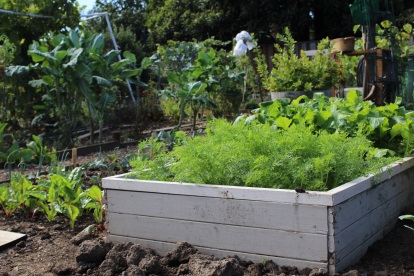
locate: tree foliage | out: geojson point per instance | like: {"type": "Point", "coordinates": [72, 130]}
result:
{"type": "Point", "coordinates": [22, 30]}
{"type": "Point", "coordinates": [181, 20]}
{"type": "Point", "coordinates": [127, 21]}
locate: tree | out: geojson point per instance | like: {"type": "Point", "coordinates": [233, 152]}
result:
{"type": "Point", "coordinates": [182, 20]}
{"type": "Point", "coordinates": [127, 21]}
{"type": "Point", "coordinates": [22, 30]}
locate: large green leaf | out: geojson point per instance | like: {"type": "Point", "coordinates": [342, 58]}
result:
{"type": "Point", "coordinates": [48, 80]}
{"type": "Point", "coordinates": [84, 87]}
{"type": "Point", "coordinates": [75, 174]}
{"type": "Point", "coordinates": [39, 56]}
{"type": "Point", "coordinates": [353, 96]}
{"type": "Point", "coordinates": [396, 130]}
{"type": "Point", "coordinates": [74, 39]}
{"type": "Point", "coordinates": [82, 71]}
{"type": "Point", "coordinates": [25, 155]}
{"type": "Point", "coordinates": [375, 122]}
{"type": "Point", "coordinates": [60, 55]}
{"type": "Point", "coordinates": [102, 81]}
{"type": "Point", "coordinates": [120, 64]}
{"type": "Point", "coordinates": [107, 98]}
{"type": "Point", "coordinates": [129, 73]}
{"type": "Point", "coordinates": [146, 62]}
{"type": "Point", "coordinates": [323, 118]}
{"type": "Point", "coordinates": [195, 87]}
{"type": "Point", "coordinates": [96, 44]}
{"type": "Point", "coordinates": [37, 83]}
{"type": "Point", "coordinates": [130, 56]}
{"type": "Point", "coordinates": [283, 122]}
{"type": "Point", "coordinates": [138, 82]}
{"type": "Point", "coordinates": [74, 55]}
{"type": "Point", "coordinates": [95, 193]}
{"type": "Point", "coordinates": [57, 40]}
{"type": "Point", "coordinates": [112, 56]}
{"type": "Point", "coordinates": [174, 78]}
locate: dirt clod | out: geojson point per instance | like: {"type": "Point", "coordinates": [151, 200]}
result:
{"type": "Point", "coordinates": [92, 252]}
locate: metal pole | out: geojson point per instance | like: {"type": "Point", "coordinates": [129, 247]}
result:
{"type": "Point", "coordinates": [93, 15]}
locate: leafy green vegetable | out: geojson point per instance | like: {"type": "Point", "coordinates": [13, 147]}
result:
{"type": "Point", "coordinates": [265, 155]}
{"type": "Point", "coordinates": [389, 126]}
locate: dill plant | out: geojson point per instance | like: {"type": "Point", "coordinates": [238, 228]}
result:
{"type": "Point", "coordinates": [260, 155]}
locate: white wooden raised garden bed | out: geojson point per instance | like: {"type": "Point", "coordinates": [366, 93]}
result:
{"type": "Point", "coordinates": [330, 230]}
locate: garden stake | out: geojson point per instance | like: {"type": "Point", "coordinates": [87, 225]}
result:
{"type": "Point", "coordinates": [74, 157]}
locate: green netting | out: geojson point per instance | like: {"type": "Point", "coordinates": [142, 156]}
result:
{"type": "Point", "coordinates": [364, 11]}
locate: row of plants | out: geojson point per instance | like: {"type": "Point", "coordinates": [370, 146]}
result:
{"type": "Point", "coordinates": [58, 193]}
{"type": "Point", "coordinates": [389, 127]}
{"type": "Point", "coordinates": [81, 84]}
{"type": "Point", "coordinates": [285, 145]}
{"type": "Point", "coordinates": [13, 154]}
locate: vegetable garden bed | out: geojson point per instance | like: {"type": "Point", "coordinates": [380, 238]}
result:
{"type": "Point", "coordinates": [330, 230]}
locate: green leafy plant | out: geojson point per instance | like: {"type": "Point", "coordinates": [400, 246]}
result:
{"type": "Point", "coordinates": [21, 194]}
{"type": "Point", "coordinates": [11, 153]}
{"type": "Point", "coordinates": [152, 162]}
{"type": "Point", "coordinates": [94, 201]}
{"type": "Point", "coordinates": [8, 203]}
{"type": "Point", "coordinates": [261, 155]}
{"type": "Point", "coordinates": [201, 77]}
{"type": "Point", "coordinates": [64, 195]}
{"type": "Point", "coordinates": [389, 126]}
{"type": "Point", "coordinates": [75, 72]}
{"type": "Point", "coordinates": [41, 153]}
{"type": "Point", "coordinates": [7, 50]}
{"type": "Point", "coordinates": [170, 108]}
{"type": "Point", "coordinates": [291, 72]}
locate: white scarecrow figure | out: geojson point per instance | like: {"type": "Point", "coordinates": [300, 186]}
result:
{"type": "Point", "coordinates": [244, 42]}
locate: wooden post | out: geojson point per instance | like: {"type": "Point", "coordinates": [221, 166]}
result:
{"type": "Point", "coordinates": [74, 157]}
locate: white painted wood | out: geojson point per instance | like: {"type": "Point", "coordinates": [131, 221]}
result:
{"type": "Point", "coordinates": [163, 247]}
{"type": "Point", "coordinates": [7, 238]}
{"type": "Point", "coordinates": [361, 184]}
{"type": "Point", "coordinates": [260, 214]}
{"type": "Point", "coordinates": [311, 247]}
{"type": "Point", "coordinates": [234, 192]}
{"type": "Point", "coordinates": [362, 204]}
{"type": "Point", "coordinates": [360, 231]}
{"type": "Point", "coordinates": [360, 251]}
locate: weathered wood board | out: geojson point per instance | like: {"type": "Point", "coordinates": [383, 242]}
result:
{"type": "Point", "coordinates": [330, 230]}
{"type": "Point", "coordinates": [7, 238]}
